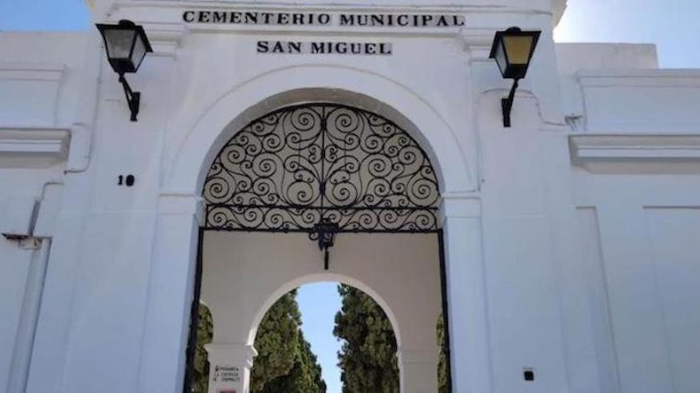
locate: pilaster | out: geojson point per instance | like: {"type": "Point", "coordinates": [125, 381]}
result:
{"type": "Point", "coordinates": [466, 292]}
{"type": "Point", "coordinates": [230, 366]}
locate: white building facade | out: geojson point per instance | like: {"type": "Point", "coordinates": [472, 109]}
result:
{"type": "Point", "coordinates": [564, 249]}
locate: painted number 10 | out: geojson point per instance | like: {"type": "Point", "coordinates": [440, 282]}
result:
{"type": "Point", "coordinates": [128, 180]}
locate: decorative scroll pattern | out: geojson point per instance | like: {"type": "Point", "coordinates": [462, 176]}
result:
{"type": "Point", "coordinates": [304, 165]}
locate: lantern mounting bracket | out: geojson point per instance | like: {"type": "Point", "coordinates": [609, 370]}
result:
{"type": "Point", "coordinates": [324, 233]}
{"type": "Point", "coordinates": [126, 45]}
{"type": "Point", "coordinates": [133, 98]}
{"type": "Point", "coordinates": [512, 50]}
{"type": "Point", "coordinates": [507, 104]}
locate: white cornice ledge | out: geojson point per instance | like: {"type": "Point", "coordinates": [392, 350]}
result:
{"type": "Point", "coordinates": [33, 147]}
{"type": "Point", "coordinates": [636, 153]}
{"type": "Point", "coordinates": [478, 40]}
{"type": "Point", "coordinates": [32, 71]}
{"type": "Point", "coordinates": [165, 38]}
{"type": "Point", "coordinates": [640, 78]}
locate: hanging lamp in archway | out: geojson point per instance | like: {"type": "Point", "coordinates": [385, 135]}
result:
{"type": "Point", "coordinates": [322, 169]}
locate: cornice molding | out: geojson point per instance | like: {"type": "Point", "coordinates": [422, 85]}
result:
{"type": "Point", "coordinates": [639, 78]}
{"type": "Point", "coordinates": [636, 153]}
{"type": "Point", "coordinates": [165, 38]}
{"type": "Point", "coordinates": [33, 147]}
{"type": "Point", "coordinates": [340, 6]}
{"type": "Point", "coordinates": [166, 13]}
{"type": "Point", "coordinates": [51, 72]}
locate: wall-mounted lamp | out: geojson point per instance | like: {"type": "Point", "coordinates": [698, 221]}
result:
{"type": "Point", "coordinates": [126, 45]}
{"type": "Point", "coordinates": [513, 50]}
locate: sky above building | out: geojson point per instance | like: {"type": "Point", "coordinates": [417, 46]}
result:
{"type": "Point", "coordinates": [670, 24]}
{"type": "Point", "coordinates": [673, 25]}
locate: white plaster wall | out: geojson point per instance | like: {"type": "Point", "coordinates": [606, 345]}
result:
{"type": "Point", "coordinates": [247, 79]}
{"type": "Point", "coordinates": [676, 260]}
{"type": "Point", "coordinates": [21, 187]}
{"type": "Point", "coordinates": [574, 57]}
{"type": "Point", "coordinates": [628, 101]}
{"type": "Point", "coordinates": [618, 89]}
{"type": "Point", "coordinates": [40, 77]}
{"type": "Point", "coordinates": [30, 87]}
{"type": "Point", "coordinates": [14, 268]}
{"type": "Point", "coordinates": [643, 278]}
{"type": "Point", "coordinates": [244, 275]}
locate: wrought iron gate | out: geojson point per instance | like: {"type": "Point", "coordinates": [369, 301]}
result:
{"type": "Point", "coordinates": [321, 169]}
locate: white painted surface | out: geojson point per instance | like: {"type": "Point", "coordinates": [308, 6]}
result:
{"type": "Point", "coordinates": [676, 255]}
{"type": "Point", "coordinates": [18, 216]}
{"type": "Point", "coordinates": [575, 57]}
{"type": "Point", "coordinates": [619, 316]}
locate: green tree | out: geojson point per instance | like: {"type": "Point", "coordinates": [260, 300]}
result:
{"type": "Point", "coordinates": [443, 371]}
{"type": "Point", "coordinates": [304, 377]}
{"type": "Point", "coordinates": [285, 363]}
{"type": "Point", "coordinates": [205, 330]}
{"type": "Point", "coordinates": [368, 355]}
{"type": "Point", "coordinates": [277, 342]}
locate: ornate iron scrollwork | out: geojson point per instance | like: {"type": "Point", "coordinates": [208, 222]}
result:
{"type": "Point", "coordinates": [322, 164]}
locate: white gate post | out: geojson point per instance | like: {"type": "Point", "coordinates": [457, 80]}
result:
{"type": "Point", "coordinates": [466, 291]}
{"type": "Point", "coordinates": [418, 370]}
{"type": "Point", "coordinates": [229, 367]}
{"type": "Point", "coordinates": [170, 294]}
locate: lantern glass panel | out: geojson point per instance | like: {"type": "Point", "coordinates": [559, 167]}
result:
{"type": "Point", "coordinates": [119, 43]}
{"type": "Point", "coordinates": [518, 49]}
{"type": "Point", "coordinates": [501, 58]}
{"type": "Point", "coordinates": [139, 52]}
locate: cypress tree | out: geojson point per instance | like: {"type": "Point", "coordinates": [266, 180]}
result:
{"type": "Point", "coordinates": [285, 363]}
{"type": "Point", "coordinates": [304, 377]}
{"type": "Point", "coordinates": [277, 342]}
{"type": "Point", "coordinates": [443, 372]}
{"type": "Point", "coordinates": [205, 331]}
{"type": "Point", "coordinates": [368, 355]}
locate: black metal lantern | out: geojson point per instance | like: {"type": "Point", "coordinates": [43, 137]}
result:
{"type": "Point", "coordinates": [513, 50]}
{"type": "Point", "coordinates": [126, 45]}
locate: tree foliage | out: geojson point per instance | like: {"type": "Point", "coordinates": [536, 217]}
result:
{"type": "Point", "coordinates": [205, 331]}
{"type": "Point", "coordinates": [277, 342]}
{"type": "Point", "coordinates": [304, 377]}
{"type": "Point", "coordinates": [368, 355]}
{"type": "Point", "coordinates": [443, 371]}
{"type": "Point", "coordinates": [285, 363]}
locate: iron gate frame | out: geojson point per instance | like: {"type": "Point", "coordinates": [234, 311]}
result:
{"type": "Point", "coordinates": [324, 229]}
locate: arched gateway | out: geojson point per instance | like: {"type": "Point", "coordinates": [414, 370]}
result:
{"type": "Point", "coordinates": [320, 170]}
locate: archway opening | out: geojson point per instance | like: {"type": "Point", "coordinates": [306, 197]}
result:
{"type": "Point", "coordinates": [352, 182]}
{"type": "Point", "coordinates": [320, 337]}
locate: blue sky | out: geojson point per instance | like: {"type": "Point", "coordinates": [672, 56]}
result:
{"type": "Point", "coordinates": [43, 15]}
{"type": "Point", "coordinates": [671, 24]}
{"type": "Point", "coordinates": [318, 304]}
{"type": "Point", "coordinates": [674, 25]}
